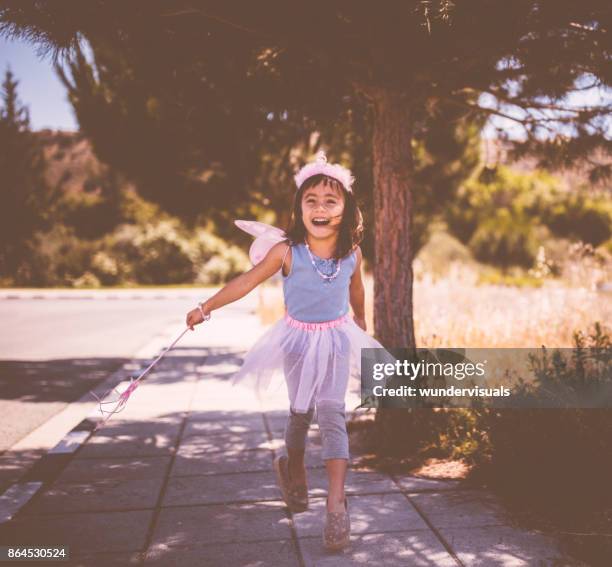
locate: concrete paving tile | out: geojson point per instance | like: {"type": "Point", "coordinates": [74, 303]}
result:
{"type": "Point", "coordinates": [415, 484]}
{"type": "Point", "coordinates": [192, 461]}
{"type": "Point", "coordinates": [497, 546]}
{"type": "Point", "coordinates": [227, 441]}
{"type": "Point", "coordinates": [14, 463]}
{"type": "Point", "coordinates": [277, 427]}
{"type": "Point", "coordinates": [84, 470]}
{"type": "Point", "coordinates": [313, 458]}
{"type": "Point", "coordinates": [146, 411]}
{"type": "Point", "coordinates": [314, 435]}
{"type": "Point", "coordinates": [461, 508]}
{"type": "Point", "coordinates": [213, 489]}
{"type": "Point", "coordinates": [357, 482]}
{"type": "Point", "coordinates": [168, 426]}
{"type": "Point", "coordinates": [222, 371]}
{"type": "Point", "coordinates": [249, 522]}
{"type": "Point", "coordinates": [82, 533]}
{"type": "Point", "coordinates": [282, 553]}
{"type": "Point", "coordinates": [102, 446]}
{"type": "Point", "coordinates": [220, 421]}
{"type": "Point", "coordinates": [214, 394]}
{"type": "Point", "coordinates": [16, 497]}
{"type": "Point", "coordinates": [397, 549]}
{"type": "Point", "coordinates": [158, 406]}
{"type": "Point", "coordinates": [105, 495]}
{"type": "Point", "coordinates": [277, 420]}
{"type": "Point", "coordinates": [161, 400]}
{"type": "Point", "coordinates": [369, 514]}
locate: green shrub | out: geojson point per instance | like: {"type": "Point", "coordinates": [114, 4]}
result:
{"type": "Point", "coordinates": [151, 254]}
{"type": "Point", "coordinates": [606, 247]}
{"type": "Point", "coordinates": [55, 258]}
{"type": "Point", "coordinates": [106, 268]}
{"type": "Point", "coordinates": [441, 252]}
{"type": "Point", "coordinates": [504, 216]}
{"type": "Point", "coordinates": [216, 261]}
{"type": "Point", "coordinates": [505, 239]}
{"type": "Point", "coordinates": [497, 215]}
{"type": "Point", "coordinates": [166, 253]}
{"type": "Point", "coordinates": [580, 218]}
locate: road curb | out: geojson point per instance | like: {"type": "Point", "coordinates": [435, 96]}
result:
{"type": "Point", "coordinates": [60, 451]}
{"type": "Point", "coordinates": [109, 295]}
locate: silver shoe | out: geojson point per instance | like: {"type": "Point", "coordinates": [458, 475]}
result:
{"type": "Point", "coordinates": [295, 497]}
{"type": "Point", "coordinates": [337, 530]}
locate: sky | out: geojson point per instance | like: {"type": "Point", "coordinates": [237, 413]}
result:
{"type": "Point", "coordinates": [41, 90]}
{"type": "Point", "coordinates": [39, 87]}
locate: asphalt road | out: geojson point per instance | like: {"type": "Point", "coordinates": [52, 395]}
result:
{"type": "Point", "coordinates": [52, 351]}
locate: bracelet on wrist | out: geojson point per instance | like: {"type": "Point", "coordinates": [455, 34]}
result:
{"type": "Point", "coordinates": [205, 316]}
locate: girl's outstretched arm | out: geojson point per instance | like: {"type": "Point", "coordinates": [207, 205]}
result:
{"type": "Point", "coordinates": [357, 293]}
{"type": "Point", "coordinates": [242, 284]}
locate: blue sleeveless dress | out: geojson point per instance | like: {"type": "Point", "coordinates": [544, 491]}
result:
{"type": "Point", "coordinates": [316, 348]}
{"type": "Point", "coordinates": [310, 298]}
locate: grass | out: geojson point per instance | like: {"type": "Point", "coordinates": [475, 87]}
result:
{"type": "Point", "coordinates": [454, 313]}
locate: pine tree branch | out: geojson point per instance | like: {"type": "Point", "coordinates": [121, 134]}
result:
{"type": "Point", "coordinates": [525, 103]}
{"type": "Point", "coordinates": [219, 19]}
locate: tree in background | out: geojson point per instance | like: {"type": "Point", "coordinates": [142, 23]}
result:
{"type": "Point", "coordinates": [23, 191]}
{"type": "Point", "coordinates": [504, 216]}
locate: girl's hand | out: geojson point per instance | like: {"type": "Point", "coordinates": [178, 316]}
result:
{"type": "Point", "coordinates": [360, 322]}
{"type": "Point", "coordinates": [194, 317]}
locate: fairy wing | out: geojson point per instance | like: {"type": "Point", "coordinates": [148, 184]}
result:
{"type": "Point", "coordinates": [265, 235]}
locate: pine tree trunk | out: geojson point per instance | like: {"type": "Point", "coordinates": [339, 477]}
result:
{"type": "Point", "coordinates": [393, 322]}
{"type": "Point", "coordinates": [393, 166]}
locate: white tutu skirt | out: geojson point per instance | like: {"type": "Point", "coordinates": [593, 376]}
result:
{"type": "Point", "coordinates": [316, 360]}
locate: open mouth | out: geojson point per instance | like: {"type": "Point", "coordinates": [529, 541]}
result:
{"type": "Point", "coordinates": [320, 221]}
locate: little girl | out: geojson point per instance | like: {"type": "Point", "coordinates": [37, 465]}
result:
{"type": "Point", "coordinates": [316, 346]}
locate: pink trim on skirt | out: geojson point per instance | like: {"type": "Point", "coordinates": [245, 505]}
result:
{"type": "Point", "coordinates": [315, 326]}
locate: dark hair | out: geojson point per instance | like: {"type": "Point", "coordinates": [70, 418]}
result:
{"type": "Point", "coordinates": [351, 226]}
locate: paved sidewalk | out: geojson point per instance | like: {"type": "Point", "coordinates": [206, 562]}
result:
{"type": "Point", "coordinates": [185, 478]}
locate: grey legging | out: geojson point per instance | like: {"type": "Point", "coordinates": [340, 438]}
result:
{"type": "Point", "coordinates": [332, 424]}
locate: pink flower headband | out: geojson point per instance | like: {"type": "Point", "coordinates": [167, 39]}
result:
{"type": "Point", "coordinates": [320, 166]}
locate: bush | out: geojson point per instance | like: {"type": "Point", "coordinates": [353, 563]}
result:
{"type": "Point", "coordinates": [497, 215]}
{"type": "Point", "coordinates": [217, 262]}
{"type": "Point", "coordinates": [505, 239]}
{"type": "Point", "coordinates": [152, 253]}
{"type": "Point", "coordinates": [579, 218]}
{"type": "Point", "coordinates": [504, 216]}
{"type": "Point", "coordinates": [165, 253]}
{"type": "Point", "coordinates": [55, 258]}
{"type": "Point", "coordinates": [106, 268]}
{"type": "Point", "coordinates": [91, 215]}
{"type": "Point", "coordinates": [441, 255]}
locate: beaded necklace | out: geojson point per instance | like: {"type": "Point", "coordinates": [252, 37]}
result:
{"type": "Point", "coordinates": [326, 278]}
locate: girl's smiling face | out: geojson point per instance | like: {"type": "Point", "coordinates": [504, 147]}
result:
{"type": "Point", "coordinates": [322, 209]}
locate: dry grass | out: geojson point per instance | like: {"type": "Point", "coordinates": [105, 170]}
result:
{"type": "Point", "coordinates": [449, 313]}
{"type": "Point", "coordinates": [271, 304]}
{"type": "Point", "coordinates": [454, 312]}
